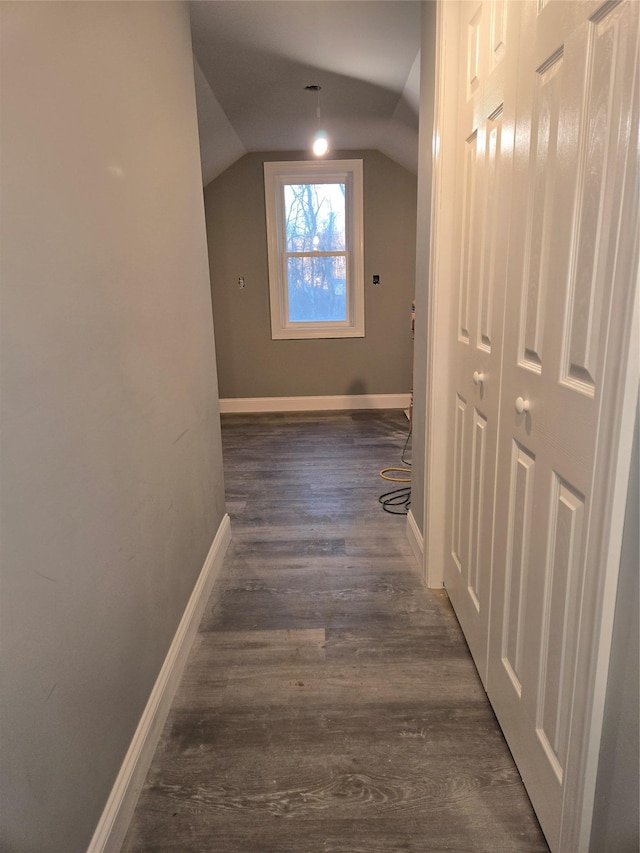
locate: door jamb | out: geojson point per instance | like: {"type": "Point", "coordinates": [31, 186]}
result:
{"type": "Point", "coordinates": [440, 295]}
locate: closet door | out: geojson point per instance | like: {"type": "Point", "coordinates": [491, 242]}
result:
{"type": "Point", "coordinates": [487, 49]}
{"type": "Point", "coordinates": [572, 272]}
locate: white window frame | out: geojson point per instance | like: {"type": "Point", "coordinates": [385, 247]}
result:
{"type": "Point", "coordinates": [276, 175]}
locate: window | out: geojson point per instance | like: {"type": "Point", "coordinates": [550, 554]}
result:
{"type": "Point", "coordinates": [315, 244]}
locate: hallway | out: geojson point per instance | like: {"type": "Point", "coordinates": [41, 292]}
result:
{"type": "Point", "coordinates": [330, 702]}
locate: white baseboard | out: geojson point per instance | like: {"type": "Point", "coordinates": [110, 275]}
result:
{"type": "Point", "coordinates": [416, 539]}
{"type": "Point", "coordinates": [114, 822]}
{"type": "Point", "coordinates": [254, 405]}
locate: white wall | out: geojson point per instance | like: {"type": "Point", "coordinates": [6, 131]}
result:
{"type": "Point", "coordinates": [110, 454]}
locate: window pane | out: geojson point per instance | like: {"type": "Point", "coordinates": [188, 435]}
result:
{"type": "Point", "coordinates": [317, 288]}
{"type": "Point", "coordinates": [314, 217]}
{"type": "Point", "coordinates": [314, 213]}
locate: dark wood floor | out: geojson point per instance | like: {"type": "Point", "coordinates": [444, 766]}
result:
{"type": "Point", "coordinates": [330, 704]}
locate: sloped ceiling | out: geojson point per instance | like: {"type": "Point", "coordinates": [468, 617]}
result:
{"type": "Point", "coordinates": [253, 59]}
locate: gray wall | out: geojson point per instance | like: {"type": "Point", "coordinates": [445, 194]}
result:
{"type": "Point", "coordinates": [110, 454]}
{"type": "Point", "coordinates": [250, 364]}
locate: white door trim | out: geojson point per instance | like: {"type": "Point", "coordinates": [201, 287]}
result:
{"type": "Point", "coordinates": [577, 823]}
{"type": "Point", "coordinates": [439, 295]}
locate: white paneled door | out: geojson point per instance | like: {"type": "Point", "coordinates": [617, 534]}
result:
{"type": "Point", "coordinates": [571, 255]}
{"type": "Point", "coordinates": [484, 148]}
{"type": "Point", "coordinates": [548, 266]}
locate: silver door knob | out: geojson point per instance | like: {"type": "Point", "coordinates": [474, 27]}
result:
{"type": "Point", "coordinates": [522, 405]}
{"type": "Point", "coordinates": [478, 378]}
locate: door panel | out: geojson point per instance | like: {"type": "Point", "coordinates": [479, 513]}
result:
{"type": "Point", "coordinates": [459, 498]}
{"type": "Point", "coordinates": [493, 224]}
{"type": "Point", "coordinates": [581, 338]}
{"type": "Point", "coordinates": [469, 235]}
{"type": "Point", "coordinates": [544, 121]}
{"type": "Point", "coordinates": [516, 580]}
{"type": "Point", "coordinates": [562, 584]}
{"type": "Point", "coordinates": [475, 577]}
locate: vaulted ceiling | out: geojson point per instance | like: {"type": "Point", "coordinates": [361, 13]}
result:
{"type": "Point", "coordinates": [253, 59]}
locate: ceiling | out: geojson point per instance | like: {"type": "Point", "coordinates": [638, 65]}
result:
{"type": "Point", "coordinates": [253, 59]}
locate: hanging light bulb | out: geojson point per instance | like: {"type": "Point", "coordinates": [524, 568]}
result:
{"type": "Point", "coordinates": [320, 144]}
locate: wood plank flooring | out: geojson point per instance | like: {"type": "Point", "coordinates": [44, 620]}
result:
{"type": "Point", "coordinates": [330, 704]}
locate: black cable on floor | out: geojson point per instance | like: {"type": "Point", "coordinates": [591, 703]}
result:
{"type": "Point", "coordinates": [398, 501]}
{"type": "Point", "coordinates": [406, 444]}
